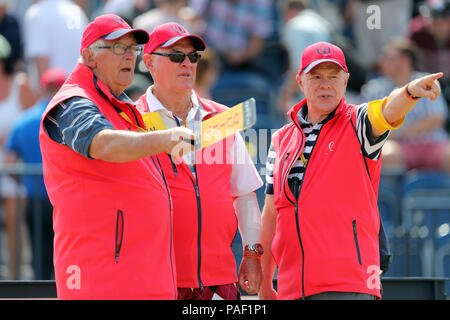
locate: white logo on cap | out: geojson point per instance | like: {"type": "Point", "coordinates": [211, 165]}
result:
{"type": "Point", "coordinates": [179, 29]}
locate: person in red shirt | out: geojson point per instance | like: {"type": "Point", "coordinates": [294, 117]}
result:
{"type": "Point", "coordinates": [213, 192]}
{"type": "Point", "coordinates": [112, 206]}
{"type": "Point", "coordinates": [320, 221]}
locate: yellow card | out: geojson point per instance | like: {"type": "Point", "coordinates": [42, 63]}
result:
{"type": "Point", "coordinates": [227, 123]}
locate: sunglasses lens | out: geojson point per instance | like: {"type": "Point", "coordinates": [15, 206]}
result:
{"type": "Point", "coordinates": [177, 57]}
{"type": "Point", "coordinates": [193, 57]}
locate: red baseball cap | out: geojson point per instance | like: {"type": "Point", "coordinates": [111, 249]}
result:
{"type": "Point", "coordinates": [110, 27]}
{"type": "Point", "coordinates": [53, 77]}
{"type": "Point", "coordinates": [168, 34]}
{"type": "Point", "coordinates": [321, 52]}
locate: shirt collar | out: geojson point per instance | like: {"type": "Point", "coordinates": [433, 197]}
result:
{"type": "Point", "coordinates": [301, 115]}
{"type": "Point", "coordinates": [155, 105]}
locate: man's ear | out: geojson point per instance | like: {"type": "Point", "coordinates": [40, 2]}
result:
{"type": "Point", "coordinates": [346, 79]}
{"type": "Point", "coordinates": [89, 58]}
{"type": "Point", "coordinates": [299, 81]}
{"type": "Point", "coordinates": [148, 61]}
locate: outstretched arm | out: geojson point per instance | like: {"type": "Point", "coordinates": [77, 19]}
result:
{"type": "Point", "coordinates": [390, 113]}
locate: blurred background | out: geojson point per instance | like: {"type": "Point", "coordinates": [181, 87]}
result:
{"type": "Point", "coordinates": [254, 50]}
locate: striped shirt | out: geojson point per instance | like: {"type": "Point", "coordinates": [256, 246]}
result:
{"type": "Point", "coordinates": [231, 24]}
{"type": "Point", "coordinates": [372, 147]}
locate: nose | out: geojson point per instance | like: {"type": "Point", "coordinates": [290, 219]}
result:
{"type": "Point", "coordinates": [325, 83]}
{"type": "Point", "coordinates": [128, 55]}
{"type": "Point", "coordinates": [186, 61]}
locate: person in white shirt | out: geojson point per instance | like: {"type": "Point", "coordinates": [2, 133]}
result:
{"type": "Point", "coordinates": [210, 188]}
{"type": "Point", "coordinates": [52, 35]}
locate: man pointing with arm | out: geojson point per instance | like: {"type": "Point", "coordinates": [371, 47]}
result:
{"type": "Point", "coordinates": [320, 223]}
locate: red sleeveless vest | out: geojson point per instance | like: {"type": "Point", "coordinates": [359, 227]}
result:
{"type": "Point", "coordinates": [204, 221]}
{"type": "Point", "coordinates": [112, 221]}
{"type": "Point", "coordinates": [328, 240]}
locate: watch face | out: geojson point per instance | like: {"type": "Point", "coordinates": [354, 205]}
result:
{"type": "Point", "coordinates": [255, 247]}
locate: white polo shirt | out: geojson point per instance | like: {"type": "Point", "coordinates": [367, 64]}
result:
{"type": "Point", "coordinates": [53, 29]}
{"type": "Point", "coordinates": [244, 176]}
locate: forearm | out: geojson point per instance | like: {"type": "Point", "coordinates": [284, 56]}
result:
{"type": "Point", "coordinates": [397, 106]}
{"type": "Point", "coordinates": [249, 218]}
{"type": "Point", "coordinates": [123, 146]}
{"type": "Point", "coordinates": [269, 223]}
{"type": "Point", "coordinates": [389, 113]}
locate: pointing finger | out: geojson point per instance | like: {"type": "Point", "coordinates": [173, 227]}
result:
{"type": "Point", "coordinates": [430, 78]}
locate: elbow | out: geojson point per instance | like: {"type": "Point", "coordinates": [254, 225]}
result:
{"type": "Point", "coordinates": [103, 147]}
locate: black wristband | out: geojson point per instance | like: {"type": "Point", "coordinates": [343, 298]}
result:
{"type": "Point", "coordinates": [410, 95]}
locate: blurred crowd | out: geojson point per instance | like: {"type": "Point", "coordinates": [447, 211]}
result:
{"type": "Point", "coordinates": [254, 49]}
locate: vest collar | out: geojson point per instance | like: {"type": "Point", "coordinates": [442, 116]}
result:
{"type": "Point", "coordinates": [293, 112]}
{"type": "Point", "coordinates": [82, 74]}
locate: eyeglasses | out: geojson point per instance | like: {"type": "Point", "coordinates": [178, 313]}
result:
{"type": "Point", "coordinates": [178, 56]}
{"type": "Point", "coordinates": [120, 49]}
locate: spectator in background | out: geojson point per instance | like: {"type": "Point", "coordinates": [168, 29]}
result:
{"type": "Point", "coordinates": [374, 22]}
{"type": "Point", "coordinates": [123, 8]}
{"type": "Point", "coordinates": [430, 32]}
{"type": "Point", "coordinates": [422, 141]}
{"type": "Point", "coordinates": [12, 88]}
{"type": "Point", "coordinates": [165, 11]}
{"type": "Point", "coordinates": [15, 96]}
{"type": "Point", "coordinates": [23, 145]}
{"type": "Point", "coordinates": [52, 36]}
{"type": "Point", "coordinates": [236, 30]}
{"type": "Point", "coordinates": [207, 72]}
{"type": "Point", "coordinates": [9, 28]}
{"type": "Point", "coordinates": [302, 27]}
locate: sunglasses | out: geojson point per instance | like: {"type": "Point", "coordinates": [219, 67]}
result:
{"type": "Point", "coordinates": [178, 56]}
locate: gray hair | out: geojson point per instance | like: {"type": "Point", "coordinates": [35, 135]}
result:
{"type": "Point", "coordinates": [94, 48]}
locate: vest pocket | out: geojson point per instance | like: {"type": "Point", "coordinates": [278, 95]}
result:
{"type": "Point", "coordinates": [119, 235]}
{"type": "Point", "coordinates": [355, 235]}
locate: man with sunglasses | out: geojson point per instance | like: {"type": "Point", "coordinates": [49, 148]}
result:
{"type": "Point", "coordinates": [209, 188]}
{"type": "Point", "coordinates": [102, 171]}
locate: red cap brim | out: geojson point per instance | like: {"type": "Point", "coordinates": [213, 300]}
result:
{"type": "Point", "coordinates": [140, 35]}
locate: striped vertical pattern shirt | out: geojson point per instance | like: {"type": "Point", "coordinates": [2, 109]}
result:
{"type": "Point", "coordinates": [372, 147]}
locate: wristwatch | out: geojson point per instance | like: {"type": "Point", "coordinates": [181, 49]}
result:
{"type": "Point", "coordinates": [253, 249]}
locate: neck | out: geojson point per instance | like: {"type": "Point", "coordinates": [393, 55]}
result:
{"type": "Point", "coordinates": [179, 105]}
{"type": "Point", "coordinates": [115, 90]}
{"type": "Point", "coordinates": [315, 118]}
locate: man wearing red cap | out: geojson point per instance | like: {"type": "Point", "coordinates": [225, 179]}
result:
{"type": "Point", "coordinates": [112, 206]}
{"type": "Point", "coordinates": [320, 221]}
{"type": "Point", "coordinates": [209, 192]}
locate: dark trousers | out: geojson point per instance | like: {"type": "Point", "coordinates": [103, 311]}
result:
{"type": "Point", "coordinates": [220, 292]}
{"type": "Point", "coordinates": [39, 215]}
{"type": "Point", "coordinates": [332, 295]}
